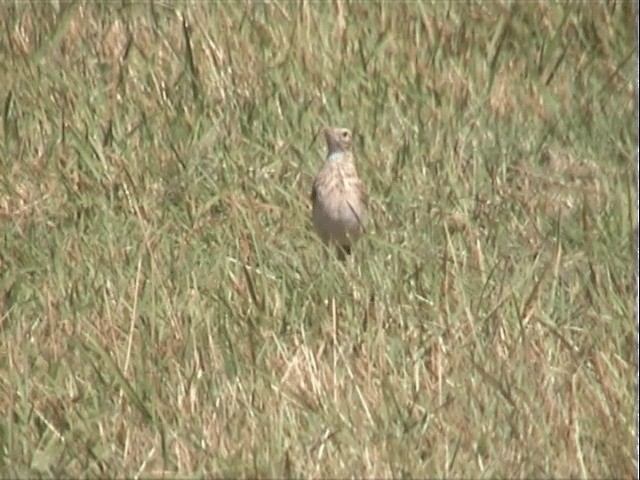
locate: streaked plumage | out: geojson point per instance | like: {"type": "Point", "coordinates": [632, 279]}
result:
{"type": "Point", "coordinates": [339, 199]}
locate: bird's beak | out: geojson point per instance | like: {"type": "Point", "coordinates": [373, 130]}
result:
{"type": "Point", "coordinates": [326, 132]}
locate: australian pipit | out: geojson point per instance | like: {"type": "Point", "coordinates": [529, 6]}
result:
{"type": "Point", "coordinates": [339, 199]}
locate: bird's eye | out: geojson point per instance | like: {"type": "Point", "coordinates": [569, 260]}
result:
{"type": "Point", "coordinates": [345, 134]}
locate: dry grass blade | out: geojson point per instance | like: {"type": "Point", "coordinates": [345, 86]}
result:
{"type": "Point", "coordinates": [167, 310]}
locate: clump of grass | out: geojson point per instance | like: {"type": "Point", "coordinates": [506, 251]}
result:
{"type": "Point", "coordinates": [166, 310]}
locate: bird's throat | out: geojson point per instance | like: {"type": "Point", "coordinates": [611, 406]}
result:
{"type": "Point", "coordinates": [334, 157]}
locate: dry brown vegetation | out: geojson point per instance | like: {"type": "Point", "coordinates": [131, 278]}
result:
{"type": "Point", "coordinates": [165, 309]}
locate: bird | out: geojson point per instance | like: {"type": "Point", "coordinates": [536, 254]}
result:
{"type": "Point", "coordinates": [339, 199]}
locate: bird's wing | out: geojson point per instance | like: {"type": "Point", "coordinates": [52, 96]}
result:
{"type": "Point", "coordinates": [318, 182]}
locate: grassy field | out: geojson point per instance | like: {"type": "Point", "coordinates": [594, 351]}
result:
{"type": "Point", "coordinates": [166, 309]}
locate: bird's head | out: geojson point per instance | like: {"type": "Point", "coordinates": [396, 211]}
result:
{"type": "Point", "coordinates": [338, 139]}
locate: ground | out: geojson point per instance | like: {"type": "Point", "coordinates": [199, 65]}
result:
{"type": "Point", "coordinates": [166, 309]}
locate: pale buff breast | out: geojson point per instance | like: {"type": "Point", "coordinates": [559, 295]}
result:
{"type": "Point", "coordinates": [338, 209]}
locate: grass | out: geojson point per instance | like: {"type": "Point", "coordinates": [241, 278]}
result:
{"type": "Point", "coordinates": [166, 309]}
